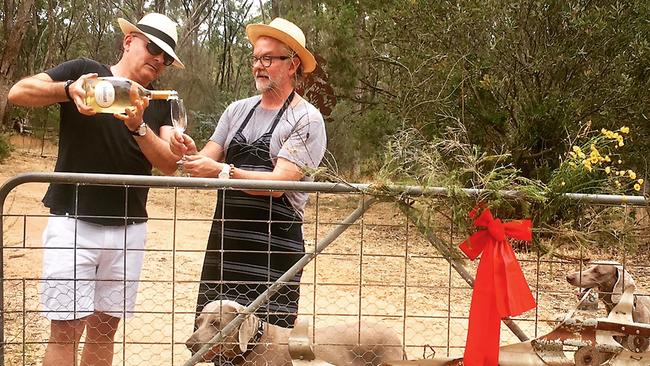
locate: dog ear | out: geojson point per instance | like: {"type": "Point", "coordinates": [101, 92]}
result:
{"type": "Point", "coordinates": [624, 282]}
{"type": "Point", "coordinates": [246, 331]}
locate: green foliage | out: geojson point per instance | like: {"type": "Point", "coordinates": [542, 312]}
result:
{"type": "Point", "coordinates": [5, 147]}
{"type": "Point", "coordinates": [451, 162]}
{"type": "Point", "coordinates": [202, 127]}
{"type": "Point", "coordinates": [595, 164]}
{"type": "Point", "coordinates": [520, 76]}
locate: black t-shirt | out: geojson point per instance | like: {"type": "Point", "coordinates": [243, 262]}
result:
{"type": "Point", "coordinates": [100, 144]}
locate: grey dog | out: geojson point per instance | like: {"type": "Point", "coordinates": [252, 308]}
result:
{"type": "Point", "coordinates": [259, 343]}
{"type": "Point", "coordinates": [611, 280]}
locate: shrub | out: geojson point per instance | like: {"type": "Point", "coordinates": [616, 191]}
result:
{"type": "Point", "coordinates": [5, 147]}
{"type": "Point", "coordinates": [594, 163]}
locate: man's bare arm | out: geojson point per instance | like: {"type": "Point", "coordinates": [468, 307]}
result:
{"type": "Point", "coordinates": [40, 90]}
{"type": "Point", "coordinates": [37, 91]}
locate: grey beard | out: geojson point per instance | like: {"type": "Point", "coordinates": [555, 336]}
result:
{"type": "Point", "coordinates": [263, 89]}
{"type": "Point", "coordinates": [272, 85]}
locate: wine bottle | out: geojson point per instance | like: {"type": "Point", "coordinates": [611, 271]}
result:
{"type": "Point", "coordinates": [114, 94]}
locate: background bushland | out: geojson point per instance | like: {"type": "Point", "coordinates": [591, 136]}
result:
{"type": "Point", "coordinates": [523, 78]}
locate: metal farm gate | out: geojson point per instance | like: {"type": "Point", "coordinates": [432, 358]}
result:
{"type": "Point", "coordinates": [365, 261]}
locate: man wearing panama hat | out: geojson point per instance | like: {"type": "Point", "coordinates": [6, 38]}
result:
{"type": "Point", "coordinates": [95, 235]}
{"type": "Point", "coordinates": [277, 135]}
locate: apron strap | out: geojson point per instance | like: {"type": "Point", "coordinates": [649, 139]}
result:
{"type": "Point", "coordinates": [285, 106]}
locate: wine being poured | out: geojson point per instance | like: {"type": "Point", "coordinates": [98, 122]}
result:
{"type": "Point", "coordinates": [114, 94]}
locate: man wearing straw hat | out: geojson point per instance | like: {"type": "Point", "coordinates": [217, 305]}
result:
{"type": "Point", "coordinates": [277, 135]}
{"type": "Point", "coordinates": [95, 236]}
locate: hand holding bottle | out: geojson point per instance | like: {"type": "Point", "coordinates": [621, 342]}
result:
{"type": "Point", "coordinates": [78, 94]}
{"type": "Point", "coordinates": [132, 117]}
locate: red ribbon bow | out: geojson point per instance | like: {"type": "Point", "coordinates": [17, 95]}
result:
{"type": "Point", "coordinates": [500, 288]}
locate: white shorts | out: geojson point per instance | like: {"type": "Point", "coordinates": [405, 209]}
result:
{"type": "Point", "coordinates": [89, 267]}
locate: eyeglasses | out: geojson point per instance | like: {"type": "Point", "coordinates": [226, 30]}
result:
{"type": "Point", "coordinates": [267, 60]}
{"type": "Point", "coordinates": [155, 50]}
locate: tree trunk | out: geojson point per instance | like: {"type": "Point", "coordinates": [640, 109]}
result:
{"type": "Point", "coordinates": [160, 6]}
{"type": "Point", "coordinates": [18, 25]}
{"type": "Point", "coordinates": [275, 9]}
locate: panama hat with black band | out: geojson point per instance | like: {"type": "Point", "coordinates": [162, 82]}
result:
{"type": "Point", "coordinates": [287, 33]}
{"type": "Point", "coordinates": [157, 28]}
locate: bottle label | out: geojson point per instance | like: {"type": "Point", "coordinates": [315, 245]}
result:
{"type": "Point", "coordinates": [104, 94]}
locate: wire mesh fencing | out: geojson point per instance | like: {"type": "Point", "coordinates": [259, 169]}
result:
{"type": "Point", "coordinates": [369, 271]}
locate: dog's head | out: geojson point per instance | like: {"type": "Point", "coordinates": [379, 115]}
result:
{"type": "Point", "coordinates": [607, 277]}
{"type": "Point", "coordinates": [213, 318]}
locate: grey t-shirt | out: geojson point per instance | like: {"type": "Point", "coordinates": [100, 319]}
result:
{"type": "Point", "coordinates": [299, 136]}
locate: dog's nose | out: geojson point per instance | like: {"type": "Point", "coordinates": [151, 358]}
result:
{"type": "Point", "coordinates": [192, 346]}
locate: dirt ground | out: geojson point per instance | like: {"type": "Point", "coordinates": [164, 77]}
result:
{"type": "Point", "coordinates": [379, 270]}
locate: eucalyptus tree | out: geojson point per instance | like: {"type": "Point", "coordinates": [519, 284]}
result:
{"type": "Point", "coordinates": [16, 20]}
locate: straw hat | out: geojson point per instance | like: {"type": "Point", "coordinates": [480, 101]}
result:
{"type": "Point", "coordinates": [287, 33]}
{"type": "Point", "coordinates": [159, 29]}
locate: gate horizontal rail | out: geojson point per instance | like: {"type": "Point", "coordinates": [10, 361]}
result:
{"type": "Point", "coordinates": [323, 187]}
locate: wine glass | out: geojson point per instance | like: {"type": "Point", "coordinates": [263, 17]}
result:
{"type": "Point", "coordinates": [179, 121]}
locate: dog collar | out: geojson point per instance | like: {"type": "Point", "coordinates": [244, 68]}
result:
{"type": "Point", "coordinates": [239, 359]}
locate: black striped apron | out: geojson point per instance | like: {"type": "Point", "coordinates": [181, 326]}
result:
{"type": "Point", "coordinates": [253, 239]}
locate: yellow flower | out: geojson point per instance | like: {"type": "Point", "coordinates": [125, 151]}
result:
{"type": "Point", "coordinates": [637, 187]}
{"type": "Point", "coordinates": [486, 82]}
{"type": "Point", "coordinates": [631, 174]}
{"type": "Point", "coordinates": [594, 157]}
{"type": "Point", "coordinates": [576, 148]}
{"type": "Point", "coordinates": [607, 158]}
{"type": "Point", "coordinates": [625, 129]}
{"type": "Point", "coordinates": [621, 173]}
{"type": "Point", "coordinates": [563, 184]}
{"type": "Point", "coordinates": [620, 161]}
{"type": "Point", "coordinates": [618, 184]}
{"type": "Point", "coordinates": [573, 155]}
{"type": "Point", "coordinates": [640, 181]}
{"type": "Point", "coordinates": [621, 143]}
{"type": "Point", "coordinates": [608, 170]}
